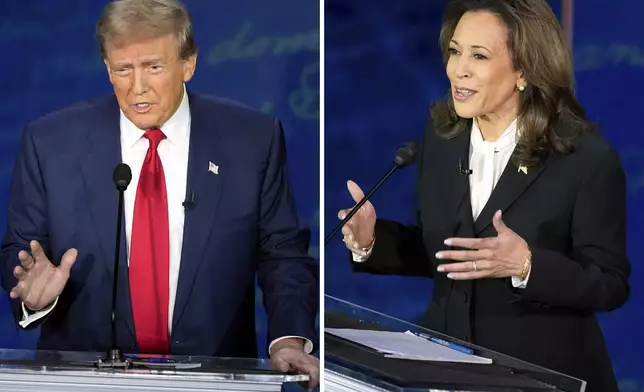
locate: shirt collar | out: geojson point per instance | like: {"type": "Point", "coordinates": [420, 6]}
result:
{"type": "Point", "coordinates": [507, 139]}
{"type": "Point", "coordinates": [174, 129]}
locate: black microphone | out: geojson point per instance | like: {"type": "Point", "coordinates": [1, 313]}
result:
{"type": "Point", "coordinates": [462, 170]}
{"type": "Point", "coordinates": [122, 177]}
{"type": "Point", "coordinates": [189, 204]}
{"type": "Point", "coordinates": [405, 156]}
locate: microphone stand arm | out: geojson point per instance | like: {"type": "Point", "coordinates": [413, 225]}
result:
{"type": "Point", "coordinates": [355, 209]}
{"type": "Point", "coordinates": [115, 358]}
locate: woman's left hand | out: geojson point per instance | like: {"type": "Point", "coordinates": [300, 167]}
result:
{"type": "Point", "coordinates": [493, 257]}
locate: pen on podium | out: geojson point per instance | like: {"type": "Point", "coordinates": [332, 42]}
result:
{"type": "Point", "coordinates": [443, 342]}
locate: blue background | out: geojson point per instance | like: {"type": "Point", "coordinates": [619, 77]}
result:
{"type": "Point", "coordinates": [382, 69]}
{"type": "Point", "coordinates": [263, 54]}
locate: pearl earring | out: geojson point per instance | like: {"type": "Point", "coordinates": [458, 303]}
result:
{"type": "Point", "coordinates": [521, 88]}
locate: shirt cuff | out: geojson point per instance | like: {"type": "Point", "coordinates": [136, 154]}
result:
{"type": "Point", "coordinates": [30, 317]}
{"type": "Point", "coordinates": [521, 284]}
{"type": "Point", "coordinates": [359, 258]}
{"type": "Point", "coordinates": [308, 345]}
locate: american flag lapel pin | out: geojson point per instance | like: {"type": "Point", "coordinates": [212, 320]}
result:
{"type": "Point", "coordinates": [214, 169]}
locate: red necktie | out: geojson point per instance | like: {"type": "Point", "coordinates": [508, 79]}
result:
{"type": "Point", "coordinates": [150, 254]}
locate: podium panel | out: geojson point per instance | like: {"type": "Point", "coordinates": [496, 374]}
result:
{"type": "Point", "coordinates": [350, 366]}
{"type": "Point", "coordinates": [54, 371]}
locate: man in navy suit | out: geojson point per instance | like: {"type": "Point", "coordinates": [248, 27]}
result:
{"type": "Point", "coordinates": [209, 207]}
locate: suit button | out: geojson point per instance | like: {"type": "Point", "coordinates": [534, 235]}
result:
{"type": "Point", "coordinates": [465, 297]}
{"type": "Point", "coordinates": [176, 342]}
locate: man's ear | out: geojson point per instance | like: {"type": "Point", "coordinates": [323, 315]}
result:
{"type": "Point", "coordinates": [189, 66]}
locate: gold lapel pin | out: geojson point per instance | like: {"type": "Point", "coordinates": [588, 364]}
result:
{"type": "Point", "coordinates": [523, 168]}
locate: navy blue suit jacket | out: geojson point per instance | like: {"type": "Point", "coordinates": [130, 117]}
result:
{"type": "Point", "coordinates": [243, 224]}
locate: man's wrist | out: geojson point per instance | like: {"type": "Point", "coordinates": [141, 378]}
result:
{"type": "Point", "coordinates": [295, 343]}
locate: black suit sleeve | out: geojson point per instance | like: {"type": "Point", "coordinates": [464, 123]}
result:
{"type": "Point", "coordinates": [595, 276]}
{"type": "Point", "coordinates": [287, 276]}
{"type": "Point", "coordinates": [398, 250]}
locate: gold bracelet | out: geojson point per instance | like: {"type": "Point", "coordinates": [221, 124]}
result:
{"type": "Point", "coordinates": [526, 266]}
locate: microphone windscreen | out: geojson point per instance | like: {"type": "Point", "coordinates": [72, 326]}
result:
{"type": "Point", "coordinates": [406, 154]}
{"type": "Point", "coordinates": [122, 176]}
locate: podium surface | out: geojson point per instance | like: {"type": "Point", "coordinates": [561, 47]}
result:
{"type": "Point", "coordinates": [350, 366]}
{"type": "Point", "coordinates": [53, 371]}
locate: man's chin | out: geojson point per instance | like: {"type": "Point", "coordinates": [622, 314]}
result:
{"type": "Point", "coordinates": [143, 121]}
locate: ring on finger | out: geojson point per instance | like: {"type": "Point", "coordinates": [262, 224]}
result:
{"type": "Point", "coordinates": [474, 267]}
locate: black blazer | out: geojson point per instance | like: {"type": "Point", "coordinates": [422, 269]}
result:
{"type": "Point", "coordinates": [571, 210]}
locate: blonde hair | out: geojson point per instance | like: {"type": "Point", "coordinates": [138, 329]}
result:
{"type": "Point", "coordinates": [125, 21]}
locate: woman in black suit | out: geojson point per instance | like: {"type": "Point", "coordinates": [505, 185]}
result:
{"type": "Point", "coordinates": [522, 212]}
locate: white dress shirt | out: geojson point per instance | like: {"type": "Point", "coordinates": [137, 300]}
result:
{"type": "Point", "coordinates": [173, 152]}
{"type": "Point", "coordinates": [487, 161]}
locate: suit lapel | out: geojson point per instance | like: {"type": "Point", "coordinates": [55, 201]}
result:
{"type": "Point", "coordinates": [97, 166]}
{"type": "Point", "coordinates": [454, 186]}
{"type": "Point", "coordinates": [511, 185]}
{"type": "Point", "coordinates": [205, 148]}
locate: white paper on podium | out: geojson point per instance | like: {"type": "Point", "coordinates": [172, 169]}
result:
{"type": "Point", "coordinates": [405, 345]}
